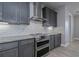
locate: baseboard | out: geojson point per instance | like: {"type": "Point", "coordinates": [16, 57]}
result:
{"type": "Point", "coordinates": [65, 45]}
{"type": "Point", "coordinates": [76, 38]}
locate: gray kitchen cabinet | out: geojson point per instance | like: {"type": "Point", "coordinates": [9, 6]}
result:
{"type": "Point", "coordinates": [39, 9]}
{"type": "Point", "coordinates": [9, 13]}
{"type": "Point", "coordinates": [10, 53]}
{"type": "Point", "coordinates": [0, 54]}
{"type": "Point", "coordinates": [57, 40]}
{"type": "Point", "coordinates": [0, 11]}
{"type": "Point", "coordinates": [26, 48]}
{"type": "Point", "coordinates": [16, 12]}
{"type": "Point", "coordinates": [46, 16]}
{"type": "Point", "coordinates": [52, 43]}
{"type": "Point", "coordinates": [23, 12]}
{"type": "Point", "coordinates": [9, 49]}
{"type": "Point", "coordinates": [51, 16]}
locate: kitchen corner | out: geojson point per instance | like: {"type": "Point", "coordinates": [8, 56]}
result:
{"type": "Point", "coordinates": [32, 33]}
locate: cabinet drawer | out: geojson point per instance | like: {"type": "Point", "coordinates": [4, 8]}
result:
{"type": "Point", "coordinates": [42, 43]}
{"type": "Point", "coordinates": [9, 53]}
{"type": "Point", "coordinates": [26, 41]}
{"type": "Point", "coordinates": [42, 52]}
{"type": "Point", "coordinates": [8, 45]}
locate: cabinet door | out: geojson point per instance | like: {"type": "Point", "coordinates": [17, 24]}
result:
{"type": "Point", "coordinates": [52, 38]}
{"type": "Point", "coordinates": [0, 11]}
{"type": "Point", "coordinates": [46, 16]}
{"type": "Point", "coordinates": [9, 12]}
{"type": "Point", "coordinates": [26, 48]}
{"type": "Point", "coordinates": [55, 21]}
{"type": "Point", "coordinates": [9, 49]}
{"type": "Point", "coordinates": [10, 53]}
{"type": "Point", "coordinates": [51, 16]}
{"type": "Point", "coordinates": [23, 12]}
{"type": "Point", "coordinates": [57, 40]}
{"type": "Point", "coordinates": [1, 54]}
{"type": "Point", "coordinates": [16, 12]}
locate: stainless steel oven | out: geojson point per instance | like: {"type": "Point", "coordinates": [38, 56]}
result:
{"type": "Point", "coordinates": [41, 46]}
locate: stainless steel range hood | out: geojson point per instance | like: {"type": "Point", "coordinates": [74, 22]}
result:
{"type": "Point", "coordinates": [35, 9]}
{"type": "Point", "coordinates": [35, 18]}
{"type": "Point", "coordinates": [36, 12]}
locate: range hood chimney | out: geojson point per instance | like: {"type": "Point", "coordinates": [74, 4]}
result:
{"type": "Point", "coordinates": [35, 9]}
{"type": "Point", "coordinates": [36, 12]}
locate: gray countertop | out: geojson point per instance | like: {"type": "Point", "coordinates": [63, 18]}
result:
{"type": "Point", "coordinates": [14, 38]}
{"type": "Point", "coordinates": [18, 37]}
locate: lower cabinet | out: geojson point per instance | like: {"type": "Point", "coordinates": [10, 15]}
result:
{"type": "Point", "coordinates": [9, 49]}
{"type": "Point", "coordinates": [22, 48]}
{"type": "Point", "coordinates": [57, 40]}
{"type": "Point", "coordinates": [26, 48]}
{"type": "Point", "coordinates": [0, 54]}
{"type": "Point", "coordinates": [10, 53]}
{"type": "Point", "coordinates": [52, 37]}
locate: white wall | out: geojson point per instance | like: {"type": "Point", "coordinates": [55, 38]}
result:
{"type": "Point", "coordinates": [76, 26]}
{"type": "Point", "coordinates": [61, 21]}
{"type": "Point", "coordinates": [67, 26]}
{"type": "Point", "coordinates": [72, 8]}
{"type": "Point", "coordinates": [64, 22]}
{"type": "Point", "coordinates": [72, 27]}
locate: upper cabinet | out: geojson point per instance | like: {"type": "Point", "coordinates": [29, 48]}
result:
{"type": "Point", "coordinates": [23, 12]}
{"type": "Point", "coordinates": [9, 12]}
{"type": "Point", "coordinates": [0, 11]}
{"type": "Point", "coordinates": [15, 12]}
{"type": "Point", "coordinates": [51, 16]}
{"type": "Point", "coordinates": [19, 12]}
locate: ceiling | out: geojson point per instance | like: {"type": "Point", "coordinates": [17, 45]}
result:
{"type": "Point", "coordinates": [59, 4]}
{"type": "Point", "coordinates": [54, 4]}
{"type": "Point", "coordinates": [74, 6]}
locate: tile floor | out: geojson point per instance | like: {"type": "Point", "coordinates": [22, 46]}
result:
{"type": "Point", "coordinates": [71, 51]}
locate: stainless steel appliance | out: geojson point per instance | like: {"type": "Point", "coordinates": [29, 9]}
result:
{"type": "Point", "coordinates": [41, 45]}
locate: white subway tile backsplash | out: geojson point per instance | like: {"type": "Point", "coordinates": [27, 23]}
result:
{"type": "Point", "coordinates": [13, 30]}
{"type": "Point", "coordinates": [6, 30]}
